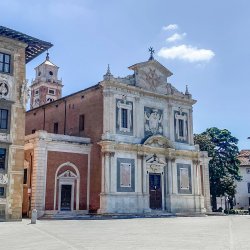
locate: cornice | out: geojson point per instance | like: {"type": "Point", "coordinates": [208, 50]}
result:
{"type": "Point", "coordinates": [141, 91]}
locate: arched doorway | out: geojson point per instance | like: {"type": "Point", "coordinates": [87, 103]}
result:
{"type": "Point", "coordinates": [67, 184]}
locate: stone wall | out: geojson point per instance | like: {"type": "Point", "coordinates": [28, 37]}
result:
{"type": "Point", "coordinates": [15, 136]}
{"type": "Point", "coordinates": [88, 103]}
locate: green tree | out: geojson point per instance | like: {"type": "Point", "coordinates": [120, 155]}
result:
{"type": "Point", "coordinates": [223, 165]}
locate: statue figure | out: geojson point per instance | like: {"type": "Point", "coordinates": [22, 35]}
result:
{"type": "Point", "coordinates": [154, 122]}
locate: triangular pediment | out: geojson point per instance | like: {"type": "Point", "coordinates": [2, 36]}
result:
{"type": "Point", "coordinates": [152, 76]}
{"type": "Point", "coordinates": [67, 174]}
{"type": "Point", "coordinates": [153, 64]}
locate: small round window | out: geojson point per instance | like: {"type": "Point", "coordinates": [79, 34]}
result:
{"type": "Point", "coordinates": [51, 73]}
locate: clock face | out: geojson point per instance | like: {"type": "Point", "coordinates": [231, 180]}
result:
{"type": "Point", "coordinates": [4, 89]}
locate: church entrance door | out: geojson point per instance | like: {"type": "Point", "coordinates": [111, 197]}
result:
{"type": "Point", "coordinates": [155, 193]}
{"type": "Point", "coordinates": [66, 197]}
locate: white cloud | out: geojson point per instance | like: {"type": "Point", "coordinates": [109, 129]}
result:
{"type": "Point", "coordinates": [176, 37]}
{"type": "Point", "coordinates": [170, 27]}
{"type": "Point", "coordinates": [186, 53]}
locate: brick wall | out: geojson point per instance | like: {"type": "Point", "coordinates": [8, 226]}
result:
{"type": "Point", "coordinates": [55, 159]}
{"type": "Point", "coordinates": [89, 103]}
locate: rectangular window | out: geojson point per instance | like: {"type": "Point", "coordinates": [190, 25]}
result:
{"type": "Point", "coordinates": [248, 187]}
{"type": "Point", "coordinates": [125, 175]}
{"type": "Point", "coordinates": [25, 176]}
{"type": "Point", "coordinates": [56, 128]}
{"type": "Point", "coordinates": [2, 158]}
{"type": "Point", "coordinates": [3, 118]}
{"type": "Point", "coordinates": [1, 191]}
{"type": "Point", "coordinates": [81, 122]}
{"type": "Point", "coordinates": [51, 91]}
{"type": "Point", "coordinates": [4, 63]}
{"type": "Point", "coordinates": [124, 118]}
{"type": "Point", "coordinates": [181, 127]}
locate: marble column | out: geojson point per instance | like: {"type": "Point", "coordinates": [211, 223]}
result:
{"type": "Point", "coordinates": [170, 178]}
{"type": "Point", "coordinates": [107, 172]}
{"type": "Point", "coordinates": [195, 177]}
{"type": "Point", "coordinates": [103, 173]}
{"type": "Point", "coordinates": [144, 175]}
{"type": "Point", "coordinates": [139, 174]}
{"type": "Point", "coordinates": [174, 176]}
{"type": "Point", "coordinates": [190, 122]}
{"type": "Point", "coordinates": [112, 173]}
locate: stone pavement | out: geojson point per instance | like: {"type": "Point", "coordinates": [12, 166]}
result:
{"type": "Point", "coordinates": [211, 232]}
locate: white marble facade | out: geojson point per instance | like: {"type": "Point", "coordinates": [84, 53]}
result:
{"type": "Point", "coordinates": [149, 160]}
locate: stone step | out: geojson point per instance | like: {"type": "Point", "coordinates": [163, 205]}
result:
{"type": "Point", "coordinates": [68, 216]}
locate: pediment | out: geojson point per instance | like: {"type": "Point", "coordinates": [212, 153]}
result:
{"type": "Point", "coordinates": [158, 141]}
{"type": "Point", "coordinates": [153, 64]}
{"type": "Point", "coordinates": [67, 174]}
{"type": "Point", "coordinates": [152, 76]}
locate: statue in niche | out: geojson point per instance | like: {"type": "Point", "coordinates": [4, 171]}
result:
{"type": "Point", "coordinates": [153, 123]}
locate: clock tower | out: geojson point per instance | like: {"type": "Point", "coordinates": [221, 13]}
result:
{"type": "Point", "coordinates": [46, 87]}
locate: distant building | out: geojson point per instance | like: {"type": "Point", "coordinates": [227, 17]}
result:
{"type": "Point", "coordinates": [124, 145]}
{"type": "Point", "coordinates": [46, 87]}
{"type": "Point", "coordinates": [16, 49]}
{"type": "Point", "coordinates": [243, 187]}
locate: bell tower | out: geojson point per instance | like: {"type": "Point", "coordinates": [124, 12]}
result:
{"type": "Point", "coordinates": [46, 87]}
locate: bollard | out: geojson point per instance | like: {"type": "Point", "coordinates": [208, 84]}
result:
{"type": "Point", "coordinates": [33, 216]}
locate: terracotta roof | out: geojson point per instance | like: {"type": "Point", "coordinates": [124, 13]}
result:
{"type": "Point", "coordinates": [244, 157]}
{"type": "Point", "coordinates": [35, 46]}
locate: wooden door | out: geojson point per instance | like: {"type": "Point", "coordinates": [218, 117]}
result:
{"type": "Point", "coordinates": [66, 197]}
{"type": "Point", "coordinates": [155, 191]}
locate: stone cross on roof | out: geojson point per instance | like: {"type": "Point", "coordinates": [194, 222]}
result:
{"type": "Point", "coordinates": [151, 50]}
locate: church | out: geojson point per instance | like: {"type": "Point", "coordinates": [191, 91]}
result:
{"type": "Point", "coordinates": [124, 145]}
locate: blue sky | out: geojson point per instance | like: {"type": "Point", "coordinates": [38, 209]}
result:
{"type": "Point", "coordinates": [206, 46]}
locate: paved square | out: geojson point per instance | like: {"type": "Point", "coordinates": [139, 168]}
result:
{"type": "Point", "coordinates": [222, 232]}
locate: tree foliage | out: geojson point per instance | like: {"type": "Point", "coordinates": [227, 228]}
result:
{"type": "Point", "coordinates": [223, 165]}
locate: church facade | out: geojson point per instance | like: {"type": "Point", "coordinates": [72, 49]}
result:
{"type": "Point", "coordinates": [124, 145]}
